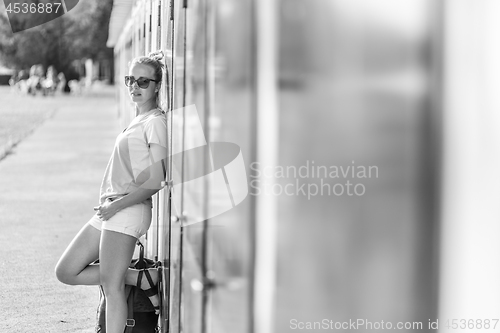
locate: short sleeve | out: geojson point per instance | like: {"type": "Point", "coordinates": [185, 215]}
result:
{"type": "Point", "coordinates": [155, 131]}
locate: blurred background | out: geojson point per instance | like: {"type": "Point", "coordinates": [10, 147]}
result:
{"type": "Point", "coordinates": [369, 131]}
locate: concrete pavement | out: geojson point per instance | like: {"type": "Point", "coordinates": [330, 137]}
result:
{"type": "Point", "coordinates": [48, 187]}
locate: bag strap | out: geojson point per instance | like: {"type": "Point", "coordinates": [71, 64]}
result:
{"type": "Point", "coordinates": [129, 326]}
{"type": "Point", "coordinates": [141, 251]}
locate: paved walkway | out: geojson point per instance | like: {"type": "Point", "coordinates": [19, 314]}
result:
{"type": "Point", "coordinates": [48, 187]}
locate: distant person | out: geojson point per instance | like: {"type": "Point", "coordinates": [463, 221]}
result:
{"type": "Point", "coordinates": [34, 82]}
{"type": "Point", "coordinates": [18, 81]}
{"type": "Point", "coordinates": [49, 84]}
{"type": "Point", "coordinates": [76, 86]}
{"type": "Point", "coordinates": [61, 82]}
{"type": "Point", "coordinates": [134, 173]}
{"type": "Point", "coordinates": [13, 80]}
{"type": "Point", "coordinates": [22, 83]}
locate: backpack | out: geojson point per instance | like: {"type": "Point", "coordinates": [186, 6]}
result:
{"type": "Point", "coordinates": [141, 316]}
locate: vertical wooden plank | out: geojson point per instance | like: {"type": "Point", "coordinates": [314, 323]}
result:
{"type": "Point", "coordinates": [470, 249]}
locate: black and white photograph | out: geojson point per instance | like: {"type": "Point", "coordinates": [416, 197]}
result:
{"type": "Point", "coordinates": [249, 166]}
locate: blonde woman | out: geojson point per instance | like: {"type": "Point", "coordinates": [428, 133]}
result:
{"type": "Point", "coordinates": [133, 174]}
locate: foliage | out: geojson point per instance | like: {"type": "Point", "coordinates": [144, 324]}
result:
{"type": "Point", "coordinates": [81, 33]}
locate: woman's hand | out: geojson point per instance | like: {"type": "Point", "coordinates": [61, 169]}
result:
{"type": "Point", "coordinates": [106, 210]}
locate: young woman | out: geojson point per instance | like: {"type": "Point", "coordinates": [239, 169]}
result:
{"type": "Point", "coordinates": [133, 174]}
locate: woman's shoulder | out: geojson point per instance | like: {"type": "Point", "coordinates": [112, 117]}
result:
{"type": "Point", "coordinates": [159, 116]}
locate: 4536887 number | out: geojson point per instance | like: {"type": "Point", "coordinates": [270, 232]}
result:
{"type": "Point", "coordinates": [32, 8]}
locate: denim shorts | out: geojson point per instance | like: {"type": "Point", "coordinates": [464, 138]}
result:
{"type": "Point", "coordinates": [133, 220]}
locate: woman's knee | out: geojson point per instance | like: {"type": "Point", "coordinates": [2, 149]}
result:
{"type": "Point", "coordinates": [112, 286]}
{"type": "Point", "coordinates": [82, 251]}
{"type": "Point", "coordinates": [64, 273]}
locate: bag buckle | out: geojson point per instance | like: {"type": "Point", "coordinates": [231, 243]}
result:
{"type": "Point", "coordinates": [130, 323]}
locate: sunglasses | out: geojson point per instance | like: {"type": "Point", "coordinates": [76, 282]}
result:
{"type": "Point", "coordinates": [142, 82]}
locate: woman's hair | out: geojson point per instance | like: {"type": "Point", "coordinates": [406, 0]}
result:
{"type": "Point", "coordinates": [155, 61]}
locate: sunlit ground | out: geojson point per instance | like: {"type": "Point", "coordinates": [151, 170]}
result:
{"type": "Point", "coordinates": [21, 113]}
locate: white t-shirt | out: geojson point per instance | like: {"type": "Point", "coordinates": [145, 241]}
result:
{"type": "Point", "coordinates": [128, 167]}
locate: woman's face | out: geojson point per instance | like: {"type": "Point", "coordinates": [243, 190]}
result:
{"type": "Point", "coordinates": [142, 95]}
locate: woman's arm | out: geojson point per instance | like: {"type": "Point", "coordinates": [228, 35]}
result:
{"type": "Point", "coordinates": [133, 198]}
{"type": "Point", "coordinates": [147, 189]}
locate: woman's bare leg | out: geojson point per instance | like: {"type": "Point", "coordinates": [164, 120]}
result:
{"type": "Point", "coordinates": [73, 266]}
{"type": "Point", "coordinates": [116, 250]}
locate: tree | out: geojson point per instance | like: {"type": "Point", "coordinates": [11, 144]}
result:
{"type": "Point", "coordinates": [81, 33]}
